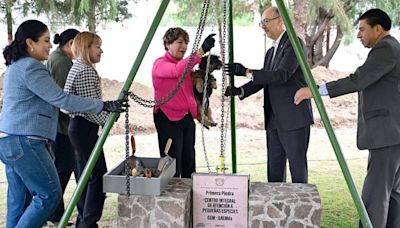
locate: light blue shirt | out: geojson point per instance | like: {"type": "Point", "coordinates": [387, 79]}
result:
{"type": "Point", "coordinates": [323, 91]}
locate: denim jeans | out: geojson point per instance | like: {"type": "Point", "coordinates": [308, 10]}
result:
{"type": "Point", "coordinates": [65, 163]}
{"type": "Point", "coordinates": [33, 186]}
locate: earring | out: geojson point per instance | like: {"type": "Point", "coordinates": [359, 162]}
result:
{"type": "Point", "coordinates": [32, 49]}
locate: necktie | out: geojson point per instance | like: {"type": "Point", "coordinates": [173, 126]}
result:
{"type": "Point", "coordinates": [271, 63]}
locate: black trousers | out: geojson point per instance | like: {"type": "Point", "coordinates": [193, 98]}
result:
{"type": "Point", "coordinates": [65, 162]}
{"type": "Point", "coordinates": [183, 134]}
{"type": "Point", "coordinates": [291, 146]}
{"type": "Point", "coordinates": [83, 135]}
{"type": "Point", "coordinates": [381, 190]}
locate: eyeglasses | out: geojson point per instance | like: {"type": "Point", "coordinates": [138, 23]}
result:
{"type": "Point", "coordinates": [265, 21]}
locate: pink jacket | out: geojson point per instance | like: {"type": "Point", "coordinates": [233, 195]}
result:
{"type": "Point", "coordinates": [166, 74]}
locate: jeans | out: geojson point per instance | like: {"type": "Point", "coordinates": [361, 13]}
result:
{"type": "Point", "coordinates": [33, 186]}
{"type": "Point", "coordinates": [65, 162]}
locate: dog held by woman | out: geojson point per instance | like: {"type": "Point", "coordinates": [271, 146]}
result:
{"type": "Point", "coordinates": [198, 79]}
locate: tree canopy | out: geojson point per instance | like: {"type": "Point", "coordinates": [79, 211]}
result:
{"type": "Point", "coordinates": [62, 12]}
{"type": "Point", "coordinates": [187, 13]}
{"type": "Point", "coordinates": [322, 24]}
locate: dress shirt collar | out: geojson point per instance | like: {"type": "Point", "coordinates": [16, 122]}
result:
{"type": "Point", "coordinates": [275, 43]}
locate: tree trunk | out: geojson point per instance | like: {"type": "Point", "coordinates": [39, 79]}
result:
{"type": "Point", "coordinates": [332, 50]}
{"type": "Point", "coordinates": [92, 16]}
{"type": "Point", "coordinates": [316, 42]}
{"type": "Point", "coordinates": [320, 52]}
{"type": "Point", "coordinates": [318, 47]}
{"type": "Point", "coordinates": [328, 37]}
{"type": "Point", "coordinates": [9, 21]}
{"type": "Point", "coordinates": [300, 12]}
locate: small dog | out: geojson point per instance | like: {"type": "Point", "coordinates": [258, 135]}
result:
{"type": "Point", "coordinates": [198, 78]}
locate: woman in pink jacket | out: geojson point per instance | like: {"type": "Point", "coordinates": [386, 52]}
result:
{"type": "Point", "coordinates": [174, 119]}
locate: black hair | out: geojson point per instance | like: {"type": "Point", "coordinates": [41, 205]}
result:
{"type": "Point", "coordinates": [377, 17]}
{"type": "Point", "coordinates": [173, 34]}
{"type": "Point", "coordinates": [30, 29]}
{"type": "Point", "coordinates": [65, 36]}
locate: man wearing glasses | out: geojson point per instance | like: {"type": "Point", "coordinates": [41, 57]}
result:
{"type": "Point", "coordinates": [287, 125]}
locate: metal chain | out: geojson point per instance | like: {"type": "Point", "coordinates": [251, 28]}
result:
{"type": "Point", "coordinates": [127, 168]}
{"type": "Point", "coordinates": [223, 120]}
{"type": "Point", "coordinates": [214, 16]}
{"type": "Point", "coordinates": [171, 94]}
{"type": "Point", "coordinates": [223, 53]}
{"type": "Point", "coordinates": [202, 112]}
{"type": "Point", "coordinates": [226, 123]}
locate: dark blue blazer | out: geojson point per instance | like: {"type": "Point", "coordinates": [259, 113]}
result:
{"type": "Point", "coordinates": [280, 80]}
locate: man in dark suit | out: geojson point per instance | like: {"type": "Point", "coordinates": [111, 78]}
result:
{"type": "Point", "coordinates": [377, 82]}
{"type": "Point", "coordinates": [287, 125]}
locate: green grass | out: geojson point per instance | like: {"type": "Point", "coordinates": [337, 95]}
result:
{"type": "Point", "coordinates": [324, 170]}
{"type": "Point", "coordinates": [338, 207]}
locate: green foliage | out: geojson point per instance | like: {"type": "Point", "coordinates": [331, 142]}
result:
{"type": "Point", "coordinates": [262, 5]}
{"type": "Point", "coordinates": [348, 38]}
{"type": "Point", "coordinates": [4, 6]}
{"type": "Point", "coordinates": [104, 10]}
{"type": "Point", "coordinates": [336, 7]}
{"type": "Point", "coordinates": [38, 7]}
{"type": "Point", "coordinates": [61, 12]}
{"type": "Point", "coordinates": [187, 12]}
{"type": "Point", "coordinates": [391, 7]}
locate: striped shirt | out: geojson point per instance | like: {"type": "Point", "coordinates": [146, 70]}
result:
{"type": "Point", "coordinates": [84, 81]}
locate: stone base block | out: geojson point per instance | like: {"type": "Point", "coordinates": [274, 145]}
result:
{"type": "Point", "coordinates": [271, 205]}
{"type": "Point", "coordinates": [171, 209]}
{"type": "Point", "coordinates": [284, 205]}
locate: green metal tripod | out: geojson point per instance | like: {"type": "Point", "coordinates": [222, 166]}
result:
{"type": "Point", "coordinates": [308, 76]}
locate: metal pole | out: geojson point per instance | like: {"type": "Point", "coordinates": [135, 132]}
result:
{"type": "Point", "coordinates": [232, 83]}
{"type": "Point", "coordinates": [106, 130]}
{"type": "Point", "coordinates": [324, 116]}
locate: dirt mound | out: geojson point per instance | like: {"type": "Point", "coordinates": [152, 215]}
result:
{"type": "Point", "coordinates": [249, 113]}
{"type": "Point", "coordinates": [342, 111]}
{"type": "Point", "coordinates": [140, 118]}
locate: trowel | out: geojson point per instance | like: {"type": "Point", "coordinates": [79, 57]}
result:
{"type": "Point", "coordinates": [134, 162]}
{"type": "Point", "coordinates": [165, 161]}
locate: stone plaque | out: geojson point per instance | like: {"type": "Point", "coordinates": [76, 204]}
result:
{"type": "Point", "coordinates": [220, 200]}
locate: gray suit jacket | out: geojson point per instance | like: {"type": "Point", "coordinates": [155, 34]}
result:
{"type": "Point", "coordinates": [280, 80]}
{"type": "Point", "coordinates": [378, 84]}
